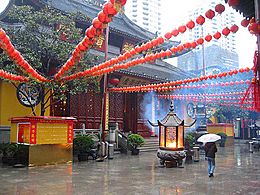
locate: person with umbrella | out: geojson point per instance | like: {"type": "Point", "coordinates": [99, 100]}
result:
{"type": "Point", "coordinates": [210, 150]}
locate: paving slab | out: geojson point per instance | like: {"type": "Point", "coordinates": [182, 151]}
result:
{"type": "Point", "coordinates": [237, 172]}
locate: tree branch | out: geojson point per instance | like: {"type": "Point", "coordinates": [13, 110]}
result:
{"type": "Point", "coordinates": [31, 106]}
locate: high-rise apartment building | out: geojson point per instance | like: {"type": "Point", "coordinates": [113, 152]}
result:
{"type": "Point", "coordinates": [218, 54]}
{"type": "Point", "coordinates": [145, 13]}
{"type": "Point", "coordinates": [226, 19]}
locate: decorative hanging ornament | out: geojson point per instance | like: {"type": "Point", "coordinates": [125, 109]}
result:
{"type": "Point", "coordinates": [190, 24]}
{"type": "Point", "coordinates": [109, 9]}
{"type": "Point", "coordinates": [234, 28]}
{"type": "Point", "coordinates": [245, 22]}
{"type": "Point", "coordinates": [220, 8]}
{"type": "Point", "coordinates": [200, 20]}
{"type": "Point", "coordinates": [226, 31]}
{"type": "Point", "coordinates": [168, 35]}
{"type": "Point", "coordinates": [210, 14]}
{"type": "Point", "coordinates": [217, 35]}
{"type": "Point", "coordinates": [182, 29]}
{"type": "Point", "coordinates": [97, 24]}
{"type": "Point", "coordinates": [208, 38]}
{"type": "Point", "coordinates": [175, 33]}
{"type": "Point", "coordinates": [254, 28]}
{"type": "Point", "coordinates": [200, 41]}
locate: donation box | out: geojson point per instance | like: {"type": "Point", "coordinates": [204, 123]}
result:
{"type": "Point", "coordinates": [48, 140]}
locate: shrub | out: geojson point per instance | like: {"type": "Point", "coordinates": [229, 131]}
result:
{"type": "Point", "coordinates": [83, 143]}
{"type": "Point", "coordinates": [135, 140]}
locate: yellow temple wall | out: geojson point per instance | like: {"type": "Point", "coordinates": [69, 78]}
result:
{"type": "Point", "coordinates": [11, 107]}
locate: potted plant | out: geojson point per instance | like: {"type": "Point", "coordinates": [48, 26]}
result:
{"type": "Point", "coordinates": [82, 146]}
{"type": "Point", "coordinates": [9, 152]}
{"type": "Point", "coordinates": [134, 141]}
{"type": "Point", "coordinates": [223, 139]}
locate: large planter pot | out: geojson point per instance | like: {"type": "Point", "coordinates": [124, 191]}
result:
{"type": "Point", "coordinates": [135, 151]}
{"type": "Point", "coordinates": [82, 157]}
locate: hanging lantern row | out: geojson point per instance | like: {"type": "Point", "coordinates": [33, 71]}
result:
{"type": "Point", "coordinates": [219, 101]}
{"type": "Point", "coordinates": [178, 84]}
{"type": "Point", "coordinates": [206, 95]}
{"type": "Point", "coordinates": [12, 77]}
{"type": "Point", "coordinates": [100, 70]}
{"type": "Point", "coordinates": [155, 87]}
{"type": "Point", "coordinates": [154, 43]}
{"type": "Point", "coordinates": [252, 25]}
{"type": "Point", "coordinates": [110, 9]}
{"type": "Point", "coordinates": [199, 97]}
{"type": "Point", "coordinates": [15, 55]}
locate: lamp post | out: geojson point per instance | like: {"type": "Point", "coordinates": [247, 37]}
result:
{"type": "Point", "coordinates": [104, 118]}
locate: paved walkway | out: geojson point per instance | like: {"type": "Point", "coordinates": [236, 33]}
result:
{"type": "Point", "coordinates": [237, 172]}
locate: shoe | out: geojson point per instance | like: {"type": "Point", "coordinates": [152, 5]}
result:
{"type": "Point", "coordinates": [211, 175]}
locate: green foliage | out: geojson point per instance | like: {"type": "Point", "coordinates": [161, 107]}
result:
{"type": "Point", "coordinates": [83, 143]}
{"type": "Point", "coordinates": [135, 140]}
{"type": "Point", "coordinates": [8, 149]}
{"type": "Point", "coordinates": [228, 113]}
{"type": "Point", "coordinates": [46, 37]}
{"type": "Point", "coordinates": [189, 139]}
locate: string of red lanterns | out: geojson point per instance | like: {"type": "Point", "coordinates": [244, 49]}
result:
{"type": "Point", "coordinates": [173, 85]}
{"type": "Point", "coordinates": [154, 43]}
{"type": "Point", "coordinates": [109, 10]}
{"type": "Point", "coordinates": [206, 94]}
{"type": "Point", "coordinates": [15, 55]}
{"type": "Point", "coordinates": [100, 70]}
{"type": "Point", "coordinates": [12, 77]}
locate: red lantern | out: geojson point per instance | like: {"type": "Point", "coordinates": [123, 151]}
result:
{"type": "Point", "coordinates": [245, 22]}
{"type": "Point", "coordinates": [168, 35]}
{"type": "Point", "coordinates": [193, 44]}
{"type": "Point", "coordinates": [2, 34]}
{"type": "Point", "coordinates": [234, 28]}
{"type": "Point", "coordinates": [254, 28]}
{"type": "Point", "coordinates": [175, 33]}
{"type": "Point", "coordinates": [91, 32]}
{"type": "Point", "coordinates": [109, 9]}
{"type": "Point", "coordinates": [233, 3]}
{"type": "Point", "coordinates": [182, 29]}
{"type": "Point", "coordinates": [200, 20]}
{"type": "Point", "coordinates": [200, 41]}
{"type": "Point", "coordinates": [104, 18]}
{"type": "Point", "coordinates": [160, 40]}
{"type": "Point", "coordinates": [190, 24]}
{"type": "Point", "coordinates": [97, 24]}
{"type": "Point", "coordinates": [217, 35]}
{"type": "Point", "coordinates": [226, 31]}
{"type": "Point", "coordinates": [208, 38]}
{"type": "Point", "coordinates": [220, 8]}
{"type": "Point", "coordinates": [210, 14]}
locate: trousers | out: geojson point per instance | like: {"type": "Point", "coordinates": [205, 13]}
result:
{"type": "Point", "coordinates": [211, 165]}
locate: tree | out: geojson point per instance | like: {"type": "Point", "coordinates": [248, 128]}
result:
{"type": "Point", "coordinates": [45, 37]}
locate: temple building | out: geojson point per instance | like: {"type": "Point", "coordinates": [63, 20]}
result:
{"type": "Point", "coordinates": [127, 109]}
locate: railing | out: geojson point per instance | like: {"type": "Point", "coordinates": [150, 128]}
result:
{"type": "Point", "coordinates": [85, 131]}
{"type": "Point", "coordinates": [121, 141]}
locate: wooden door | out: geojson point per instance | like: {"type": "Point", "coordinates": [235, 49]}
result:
{"type": "Point", "coordinates": [130, 113]}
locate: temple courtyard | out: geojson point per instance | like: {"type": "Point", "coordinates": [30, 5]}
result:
{"type": "Point", "coordinates": [237, 172]}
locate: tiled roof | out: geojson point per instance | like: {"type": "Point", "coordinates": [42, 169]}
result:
{"type": "Point", "coordinates": [246, 7]}
{"type": "Point", "coordinates": [121, 23]}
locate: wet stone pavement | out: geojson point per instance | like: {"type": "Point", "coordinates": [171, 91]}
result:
{"type": "Point", "coordinates": [237, 172]}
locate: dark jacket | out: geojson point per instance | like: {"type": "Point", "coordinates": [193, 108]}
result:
{"type": "Point", "coordinates": [210, 149]}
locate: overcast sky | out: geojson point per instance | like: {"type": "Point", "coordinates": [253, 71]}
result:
{"type": "Point", "coordinates": [175, 13]}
